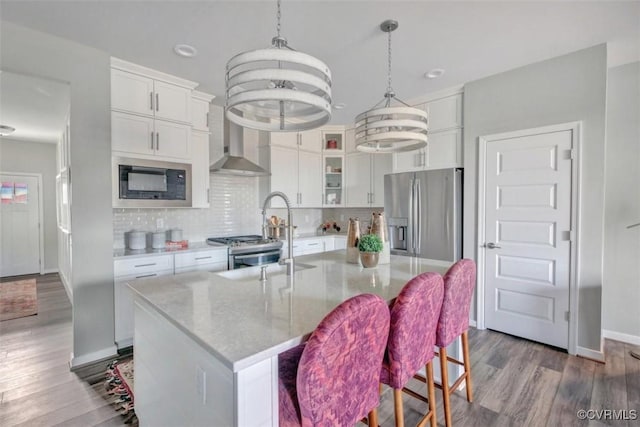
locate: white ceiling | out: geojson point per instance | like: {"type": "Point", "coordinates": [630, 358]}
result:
{"type": "Point", "coordinates": [37, 108]}
{"type": "Point", "coordinates": [470, 40]}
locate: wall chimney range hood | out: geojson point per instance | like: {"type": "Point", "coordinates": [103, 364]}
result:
{"type": "Point", "coordinates": [233, 161]}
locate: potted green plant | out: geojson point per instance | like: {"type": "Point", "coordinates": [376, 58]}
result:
{"type": "Point", "coordinates": [370, 246]}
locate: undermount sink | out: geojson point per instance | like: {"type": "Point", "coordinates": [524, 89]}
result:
{"type": "Point", "coordinates": [254, 272]}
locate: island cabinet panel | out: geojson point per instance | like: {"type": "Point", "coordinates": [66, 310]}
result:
{"type": "Point", "coordinates": [202, 388]}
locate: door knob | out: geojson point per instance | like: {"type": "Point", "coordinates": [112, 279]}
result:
{"type": "Point", "coordinates": [491, 245]}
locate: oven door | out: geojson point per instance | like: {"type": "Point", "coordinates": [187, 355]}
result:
{"type": "Point", "coordinates": [251, 260]}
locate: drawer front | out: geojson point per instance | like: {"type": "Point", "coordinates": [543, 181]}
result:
{"type": "Point", "coordinates": [214, 266]}
{"type": "Point", "coordinates": [192, 259]}
{"type": "Point", "coordinates": [141, 266]}
{"type": "Point", "coordinates": [314, 246]}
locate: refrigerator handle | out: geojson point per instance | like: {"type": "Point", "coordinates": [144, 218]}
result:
{"type": "Point", "coordinates": [447, 204]}
{"type": "Point", "coordinates": [410, 224]}
{"type": "Point", "coordinates": [418, 207]}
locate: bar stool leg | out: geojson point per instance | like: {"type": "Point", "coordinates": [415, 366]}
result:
{"type": "Point", "coordinates": [397, 407]}
{"type": "Point", "coordinates": [373, 418]}
{"type": "Point", "coordinates": [444, 373]}
{"type": "Point", "coordinates": [432, 394]}
{"type": "Point", "coordinates": [467, 365]}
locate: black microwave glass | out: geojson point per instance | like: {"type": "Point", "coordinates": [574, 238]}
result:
{"type": "Point", "coordinates": [149, 183]}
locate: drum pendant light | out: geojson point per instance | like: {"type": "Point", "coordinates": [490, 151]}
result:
{"type": "Point", "coordinates": [278, 89]}
{"type": "Point", "coordinates": [388, 128]}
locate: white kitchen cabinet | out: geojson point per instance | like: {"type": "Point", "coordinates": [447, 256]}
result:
{"type": "Point", "coordinates": [200, 111]}
{"type": "Point", "coordinates": [140, 90]}
{"type": "Point", "coordinates": [154, 139]}
{"type": "Point", "coordinates": [444, 146]}
{"type": "Point", "coordinates": [350, 140]}
{"type": "Point", "coordinates": [339, 242]}
{"type": "Point", "coordinates": [365, 178]}
{"type": "Point", "coordinates": [295, 172]}
{"type": "Point", "coordinates": [307, 245]}
{"type": "Point", "coordinates": [125, 270]}
{"type": "Point", "coordinates": [444, 150]}
{"type": "Point", "coordinates": [445, 113]}
{"type": "Point", "coordinates": [310, 140]}
{"type": "Point", "coordinates": [208, 260]}
{"type": "Point", "coordinates": [200, 178]}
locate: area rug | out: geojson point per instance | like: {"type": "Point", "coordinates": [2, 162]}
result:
{"type": "Point", "coordinates": [18, 299]}
{"type": "Point", "coordinates": [119, 384]}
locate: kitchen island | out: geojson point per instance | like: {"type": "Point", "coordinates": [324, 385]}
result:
{"type": "Point", "coordinates": [206, 344]}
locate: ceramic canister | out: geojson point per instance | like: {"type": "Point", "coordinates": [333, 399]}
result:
{"type": "Point", "coordinates": [379, 227]}
{"type": "Point", "coordinates": [353, 238]}
{"type": "Point", "coordinates": [158, 239]}
{"type": "Point", "coordinates": [136, 240]}
{"type": "Point", "coordinates": [176, 235]}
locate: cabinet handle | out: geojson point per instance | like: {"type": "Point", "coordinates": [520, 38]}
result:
{"type": "Point", "coordinates": [157, 102]}
{"type": "Point", "coordinates": [373, 198]}
{"type": "Point", "coordinates": [300, 198]}
{"type": "Point", "coordinates": [313, 244]}
{"type": "Point", "coordinates": [151, 100]}
{"type": "Point", "coordinates": [145, 265]}
{"type": "Point", "coordinates": [203, 257]}
{"type": "Point", "coordinates": [146, 275]}
{"type": "Point", "coordinates": [152, 140]}
{"type": "Point", "coordinates": [423, 156]}
{"type": "Point", "coordinates": [208, 193]}
{"type": "Point", "coordinates": [158, 141]}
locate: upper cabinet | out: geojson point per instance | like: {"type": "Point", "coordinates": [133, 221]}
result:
{"type": "Point", "coordinates": [444, 146]}
{"type": "Point", "coordinates": [333, 139]}
{"type": "Point", "coordinates": [310, 140]}
{"type": "Point", "coordinates": [200, 103]}
{"type": "Point", "coordinates": [151, 112]}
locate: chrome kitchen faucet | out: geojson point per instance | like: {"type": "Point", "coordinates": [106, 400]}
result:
{"type": "Point", "coordinates": [289, 260]}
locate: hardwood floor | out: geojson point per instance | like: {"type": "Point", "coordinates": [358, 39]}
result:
{"type": "Point", "coordinates": [36, 386]}
{"type": "Point", "coordinates": [516, 382]}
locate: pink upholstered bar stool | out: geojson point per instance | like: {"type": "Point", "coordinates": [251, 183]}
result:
{"type": "Point", "coordinates": [414, 317]}
{"type": "Point", "coordinates": [459, 282]}
{"type": "Point", "coordinates": [333, 379]}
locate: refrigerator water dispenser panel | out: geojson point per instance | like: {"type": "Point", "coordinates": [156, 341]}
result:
{"type": "Point", "coordinates": [398, 233]}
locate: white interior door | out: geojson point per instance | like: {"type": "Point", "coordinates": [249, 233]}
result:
{"type": "Point", "coordinates": [19, 219]}
{"type": "Point", "coordinates": [527, 231]}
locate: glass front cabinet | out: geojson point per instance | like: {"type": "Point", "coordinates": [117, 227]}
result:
{"type": "Point", "coordinates": [333, 182]}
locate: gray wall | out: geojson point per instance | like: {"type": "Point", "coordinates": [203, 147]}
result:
{"type": "Point", "coordinates": [563, 89]}
{"type": "Point", "coordinates": [621, 284]}
{"type": "Point", "coordinates": [87, 70]}
{"type": "Point", "coordinates": [35, 157]}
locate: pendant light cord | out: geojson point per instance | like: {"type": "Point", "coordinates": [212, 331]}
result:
{"type": "Point", "coordinates": [389, 89]}
{"type": "Point", "coordinates": [278, 16]}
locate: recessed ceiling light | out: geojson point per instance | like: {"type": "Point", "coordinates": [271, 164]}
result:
{"type": "Point", "coordinates": [339, 105]}
{"type": "Point", "coordinates": [185, 50]}
{"type": "Point", "coordinates": [434, 74]}
{"type": "Point", "coordinates": [6, 130]}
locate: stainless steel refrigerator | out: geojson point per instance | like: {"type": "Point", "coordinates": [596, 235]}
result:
{"type": "Point", "coordinates": [424, 213]}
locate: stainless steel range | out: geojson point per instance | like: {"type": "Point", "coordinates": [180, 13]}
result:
{"type": "Point", "coordinates": [248, 251]}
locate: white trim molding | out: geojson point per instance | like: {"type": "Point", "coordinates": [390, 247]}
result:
{"type": "Point", "coordinates": [622, 337]}
{"type": "Point", "coordinates": [588, 353]}
{"type": "Point", "coordinates": [574, 265]}
{"type": "Point", "coordinates": [96, 356]}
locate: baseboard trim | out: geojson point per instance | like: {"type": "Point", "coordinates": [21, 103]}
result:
{"type": "Point", "coordinates": [619, 336]}
{"type": "Point", "coordinates": [472, 323]}
{"type": "Point", "coordinates": [588, 353]}
{"type": "Point", "coordinates": [49, 271]}
{"type": "Point", "coordinates": [96, 356]}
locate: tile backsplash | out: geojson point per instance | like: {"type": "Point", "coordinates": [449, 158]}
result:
{"type": "Point", "coordinates": [235, 209]}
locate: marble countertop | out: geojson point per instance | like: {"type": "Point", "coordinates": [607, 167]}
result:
{"type": "Point", "coordinates": [193, 247]}
{"type": "Point", "coordinates": [241, 320]}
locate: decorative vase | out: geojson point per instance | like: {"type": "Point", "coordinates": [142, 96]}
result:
{"type": "Point", "coordinates": [353, 236]}
{"type": "Point", "coordinates": [379, 227]}
{"type": "Point", "coordinates": [369, 259]}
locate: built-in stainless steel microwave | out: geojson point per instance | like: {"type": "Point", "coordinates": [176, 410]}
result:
{"type": "Point", "coordinates": [141, 183]}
